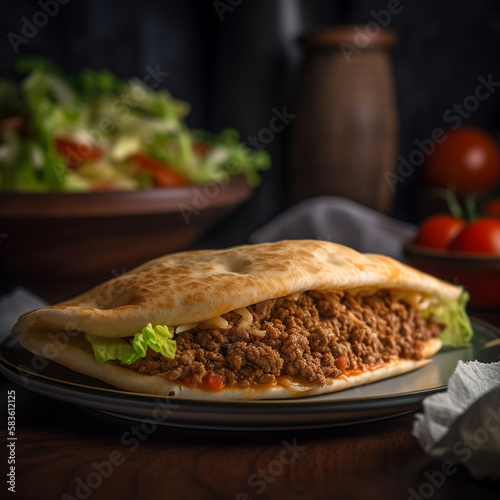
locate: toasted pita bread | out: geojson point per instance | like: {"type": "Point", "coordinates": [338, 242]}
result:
{"type": "Point", "coordinates": [190, 287]}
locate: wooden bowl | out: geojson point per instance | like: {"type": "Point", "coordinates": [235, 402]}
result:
{"type": "Point", "coordinates": [478, 273]}
{"type": "Point", "coordinates": [61, 244]}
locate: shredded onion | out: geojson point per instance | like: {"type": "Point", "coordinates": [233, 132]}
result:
{"type": "Point", "coordinates": [187, 326]}
{"type": "Point", "coordinates": [246, 318]}
{"type": "Point", "coordinates": [258, 333]}
{"type": "Point", "coordinates": [216, 322]}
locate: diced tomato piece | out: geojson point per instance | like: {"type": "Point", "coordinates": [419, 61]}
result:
{"type": "Point", "coordinates": [162, 175]}
{"type": "Point", "coordinates": [74, 153]}
{"type": "Point", "coordinates": [201, 149]}
{"type": "Point", "coordinates": [214, 381]}
{"type": "Point", "coordinates": [104, 186]}
{"type": "Point", "coordinates": [188, 381]}
{"type": "Point", "coordinates": [342, 363]}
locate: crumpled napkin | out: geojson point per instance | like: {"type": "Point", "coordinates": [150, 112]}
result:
{"type": "Point", "coordinates": [339, 220]}
{"type": "Point", "coordinates": [462, 424]}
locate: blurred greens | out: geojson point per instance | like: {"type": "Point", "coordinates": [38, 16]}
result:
{"type": "Point", "coordinates": [107, 122]}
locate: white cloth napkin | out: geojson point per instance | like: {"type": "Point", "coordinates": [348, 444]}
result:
{"type": "Point", "coordinates": [463, 423]}
{"type": "Point", "coordinates": [341, 221]}
{"type": "Point", "coordinates": [15, 303]}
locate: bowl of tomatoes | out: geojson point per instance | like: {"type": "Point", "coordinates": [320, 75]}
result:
{"type": "Point", "coordinates": [462, 252]}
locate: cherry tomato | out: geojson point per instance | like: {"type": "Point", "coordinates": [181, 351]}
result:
{"type": "Point", "coordinates": [482, 235]}
{"type": "Point", "coordinates": [467, 161]}
{"type": "Point", "coordinates": [161, 174]}
{"type": "Point", "coordinates": [214, 381]}
{"type": "Point", "coordinates": [74, 153]}
{"type": "Point", "coordinates": [438, 231]}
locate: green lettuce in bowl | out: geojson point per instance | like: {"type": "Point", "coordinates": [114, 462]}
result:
{"type": "Point", "coordinates": [96, 132]}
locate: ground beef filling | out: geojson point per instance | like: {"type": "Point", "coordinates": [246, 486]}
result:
{"type": "Point", "coordinates": [315, 336]}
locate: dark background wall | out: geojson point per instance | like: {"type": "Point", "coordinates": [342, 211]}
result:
{"type": "Point", "coordinates": [237, 60]}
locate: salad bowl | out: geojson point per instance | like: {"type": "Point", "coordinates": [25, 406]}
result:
{"type": "Point", "coordinates": [61, 244]}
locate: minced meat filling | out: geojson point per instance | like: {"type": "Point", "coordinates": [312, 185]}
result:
{"type": "Point", "coordinates": [316, 337]}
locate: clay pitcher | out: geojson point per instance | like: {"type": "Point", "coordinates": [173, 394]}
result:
{"type": "Point", "coordinates": [344, 139]}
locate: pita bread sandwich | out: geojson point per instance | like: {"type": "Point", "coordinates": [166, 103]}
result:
{"type": "Point", "coordinates": [273, 320]}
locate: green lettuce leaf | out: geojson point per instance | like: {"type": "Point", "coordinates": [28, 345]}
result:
{"type": "Point", "coordinates": [158, 338]}
{"type": "Point", "coordinates": [229, 156]}
{"type": "Point", "coordinates": [107, 348]}
{"type": "Point", "coordinates": [458, 331]}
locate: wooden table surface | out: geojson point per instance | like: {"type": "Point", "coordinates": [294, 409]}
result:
{"type": "Point", "coordinates": [68, 452]}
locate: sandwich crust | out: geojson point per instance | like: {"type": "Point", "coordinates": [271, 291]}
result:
{"type": "Point", "coordinates": [193, 286]}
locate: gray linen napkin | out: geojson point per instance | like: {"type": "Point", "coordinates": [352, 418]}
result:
{"type": "Point", "coordinates": [342, 221]}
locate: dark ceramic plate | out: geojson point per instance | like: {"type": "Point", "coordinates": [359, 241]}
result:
{"type": "Point", "coordinates": [383, 399]}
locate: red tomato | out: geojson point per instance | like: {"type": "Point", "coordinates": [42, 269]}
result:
{"type": "Point", "coordinates": [214, 381]}
{"type": "Point", "coordinates": [467, 161]}
{"type": "Point", "coordinates": [161, 174]}
{"type": "Point", "coordinates": [201, 149]}
{"type": "Point", "coordinates": [438, 231]}
{"type": "Point", "coordinates": [482, 235]}
{"type": "Point", "coordinates": [74, 153]}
